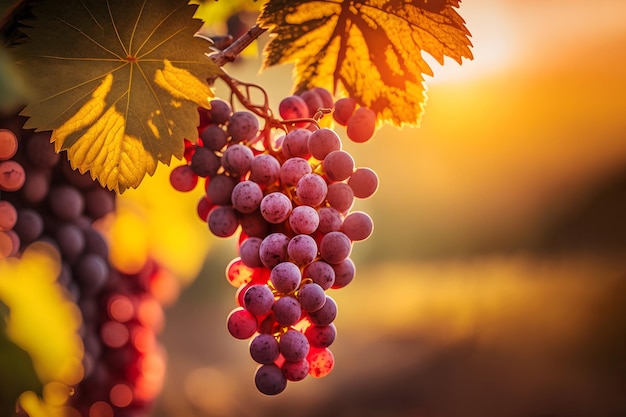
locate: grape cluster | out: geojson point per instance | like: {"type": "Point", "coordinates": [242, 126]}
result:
{"type": "Point", "coordinates": [290, 197]}
{"type": "Point", "coordinates": [43, 199]}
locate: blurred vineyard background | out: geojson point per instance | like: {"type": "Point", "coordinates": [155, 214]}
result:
{"type": "Point", "coordinates": [495, 281]}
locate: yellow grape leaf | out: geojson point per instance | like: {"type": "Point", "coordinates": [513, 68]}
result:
{"type": "Point", "coordinates": [370, 49]}
{"type": "Point", "coordinates": [117, 81]}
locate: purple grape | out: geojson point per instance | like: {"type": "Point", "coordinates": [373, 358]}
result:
{"type": "Point", "coordinates": [237, 159]}
{"type": "Point", "coordinates": [249, 252]}
{"type": "Point", "coordinates": [287, 311]}
{"type": "Point", "coordinates": [29, 225]}
{"type": "Point", "coordinates": [269, 379]}
{"type": "Point", "coordinates": [311, 190]}
{"type": "Point", "coordinates": [258, 299]}
{"type": "Point", "coordinates": [295, 371]}
{"type": "Point", "coordinates": [275, 207]}
{"type": "Point", "coordinates": [340, 196]}
{"type": "Point", "coordinates": [292, 170]}
{"type": "Point", "coordinates": [204, 162]}
{"type": "Point", "coordinates": [273, 249]}
{"type": "Point", "coordinates": [322, 142]}
{"type": "Point", "coordinates": [321, 273]}
{"type": "Point", "coordinates": [344, 273]}
{"type": "Point", "coordinates": [325, 315]}
{"type": "Point", "coordinates": [241, 324]}
{"type": "Point", "coordinates": [304, 220]}
{"type": "Point", "coordinates": [330, 220]}
{"type": "Point", "coordinates": [223, 221]}
{"type": "Point", "coordinates": [295, 144]}
{"type": "Point", "coordinates": [311, 297]}
{"type": "Point", "coordinates": [358, 226]}
{"type": "Point", "coordinates": [220, 111]}
{"type": "Point", "coordinates": [285, 277]}
{"type": "Point", "coordinates": [321, 336]}
{"type": "Point", "coordinates": [364, 182]}
{"type": "Point", "coordinates": [302, 249]}
{"type": "Point", "coordinates": [220, 189]}
{"type": "Point", "coordinates": [214, 138]}
{"type": "Point", "coordinates": [338, 165]}
{"type": "Point", "coordinates": [243, 126]}
{"type": "Point", "coordinates": [293, 345]}
{"type": "Point", "coordinates": [253, 224]}
{"type": "Point", "coordinates": [264, 349]}
{"type": "Point", "coordinates": [66, 202]}
{"type": "Point", "coordinates": [264, 169]}
{"type": "Point", "coordinates": [335, 247]}
{"type": "Point", "coordinates": [246, 196]}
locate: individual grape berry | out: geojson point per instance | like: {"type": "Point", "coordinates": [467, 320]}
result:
{"type": "Point", "coordinates": [344, 273]}
{"type": "Point", "coordinates": [223, 221]}
{"type": "Point", "coordinates": [264, 349]}
{"type": "Point", "coordinates": [37, 186]}
{"type": "Point", "coordinates": [304, 220]}
{"type": "Point", "coordinates": [241, 324]}
{"type": "Point", "coordinates": [70, 240]}
{"type": "Point", "coordinates": [246, 196]}
{"type": "Point", "coordinates": [311, 190]}
{"type": "Point", "coordinates": [321, 336]}
{"type": "Point", "coordinates": [269, 379]}
{"type": "Point", "coordinates": [326, 96]}
{"type": "Point", "coordinates": [91, 272]}
{"type": "Point", "coordinates": [12, 176]}
{"type": "Point", "coordinates": [295, 144]}
{"type": "Point", "coordinates": [220, 111]}
{"type": "Point", "coordinates": [29, 225]}
{"type": "Point", "coordinates": [275, 207]}
{"type": "Point", "coordinates": [214, 138]}
{"type": "Point", "coordinates": [311, 296]}
{"type": "Point", "coordinates": [358, 225]}
{"type": "Point", "coordinates": [335, 247]}
{"type": "Point", "coordinates": [364, 182]}
{"type": "Point", "coordinates": [294, 107]}
{"type": "Point", "coordinates": [264, 169]}
{"type": "Point", "coordinates": [253, 224]}
{"type": "Point", "coordinates": [273, 249]}
{"type": "Point", "coordinates": [326, 314]}
{"type": "Point", "coordinates": [237, 159]}
{"type": "Point", "coordinates": [243, 126]}
{"type": "Point", "coordinates": [338, 165]}
{"type": "Point", "coordinates": [340, 196]}
{"type": "Point", "coordinates": [204, 162]}
{"type": "Point", "coordinates": [330, 220]}
{"type": "Point", "coordinates": [249, 252]}
{"type": "Point", "coordinates": [293, 169]}
{"type": "Point", "coordinates": [220, 189]}
{"type": "Point", "coordinates": [322, 273]}
{"type": "Point", "coordinates": [8, 144]}
{"type": "Point", "coordinates": [313, 101]}
{"type": "Point", "coordinates": [258, 299]}
{"type": "Point", "coordinates": [183, 178]}
{"type": "Point", "coordinates": [321, 362]}
{"type": "Point", "coordinates": [302, 249]}
{"type": "Point", "coordinates": [40, 152]}
{"type": "Point", "coordinates": [287, 311]}
{"type": "Point", "coordinates": [293, 345]}
{"type": "Point", "coordinates": [322, 142]}
{"type": "Point", "coordinates": [295, 371]}
{"type": "Point", "coordinates": [361, 125]}
{"type": "Point", "coordinates": [286, 277]}
{"type": "Point", "coordinates": [344, 108]}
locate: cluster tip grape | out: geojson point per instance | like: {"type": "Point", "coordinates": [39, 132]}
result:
{"type": "Point", "coordinates": [290, 196]}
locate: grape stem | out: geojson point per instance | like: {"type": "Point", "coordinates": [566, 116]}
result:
{"type": "Point", "coordinates": [230, 53]}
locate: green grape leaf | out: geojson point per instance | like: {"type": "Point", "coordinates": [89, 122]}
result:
{"type": "Point", "coordinates": [117, 81]}
{"type": "Point", "coordinates": [371, 50]}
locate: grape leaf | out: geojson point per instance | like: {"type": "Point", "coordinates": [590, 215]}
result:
{"type": "Point", "coordinates": [370, 49]}
{"type": "Point", "coordinates": [118, 82]}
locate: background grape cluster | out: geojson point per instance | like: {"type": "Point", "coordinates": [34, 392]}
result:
{"type": "Point", "coordinates": [289, 192]}
{"type": "Point", "coordinates": [43, 199]}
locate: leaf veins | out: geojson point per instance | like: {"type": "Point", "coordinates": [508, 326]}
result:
{"type": "Point", "coordinates": [370, 49]}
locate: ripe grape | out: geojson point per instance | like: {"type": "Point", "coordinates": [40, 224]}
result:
{"type": "Point", "coordinates": [313, 101]}
{"type": "Point", "coordinates": [183, 178]}
{"type": "Point", "coordinates": [243, 126]}
{"type": "Point", "coordinates": [325, 95]}
{"type": "Point", "coordinates": [205, 162]}
{"type": "Point", "coordinates": [321, 362]}
{"type": "Point", "coordinates": [241, 323]}
{"type": "Point", "coordinates": [321, 273]}
{"type": "Point", "coordinates": [344, 108]}
{"type": "Point", "coordinates": [219, 112]}
{"type": "Point", "coordinates": [322, 142]}
{"type": "Point", "coordinates": [293, 345]}
{"type": "Point", "coordinates": [358, 225]}
{"type": "Point", "coordinates": [344, 273]}
{"type": "Point", "coordinates": [295, 144]}
{"type": "Point", "coordinates": [275, 207]}
{"type": "Point", "coordinates": [264, 169]}
{"type": "Point", "coordinates": [293, 169]}
{"type": "Point", "coordinates": [294, 107]}
{"type": "Point", "coordinates": [340, 196]}
{"type": "Point", "coordinates": [214, 138]}
{"type": "Point", "coordinates": [273, 249]}
{"type": "Point", "coordinates": [8, 216]}
{"type": "Point", "coordinates": [311, 190]}
{"type": "Point", "coordinates": [338, 165]}
{"type": "Point", "coordinates": [361, 125]}
{"type": "Point", "coordinates": [304, 220]}
{"type": "Point", "coordinates": [311, 296]}
{"type": "Point", "coordinates": [220, 189]}
{"type": "Point", "coordinates": [335, 247]}
{"type": "Point", "coordinates": [285, 277]}
{"type": "Point", "coordinates": [295, 371]}
{"type": "Point", "coordinates": [246, 196]}
{"type": "Point", "coordinates": [237, 158]}
{"type": "Point", "coordinates": [326, 314]}
{"type": "Point", "coordinates": [258, 299]}
{"type": "Point", "coordinates": [287, 311]}
{"type": "Point", "coordinates": [330, 220]}
{"type": "Point", "coordinates": [302, 249]}
{"type": "Point", "coordinates": [12, 176]}
{"type": "Point", "coordinates": [222, 221]}
{"type": "Point", "coordinates": [321, 336]}
{"type": "Point", "coordinates": [269, 379]}
{"type": "Point", "coordinates": [264, 349]}
{"type": "Point", "coordinates": [364, 182]}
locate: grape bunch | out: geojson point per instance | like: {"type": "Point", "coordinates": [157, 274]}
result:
{"type": "Point", "coordinates": [290, 197]}
{"type": "Point", "coordinates": [43, 199]}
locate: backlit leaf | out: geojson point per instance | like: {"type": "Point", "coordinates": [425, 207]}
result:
{"type": "Point", "coordinates": [370, 49]}
{"type": "Point", "coordinates": [118, 82]}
